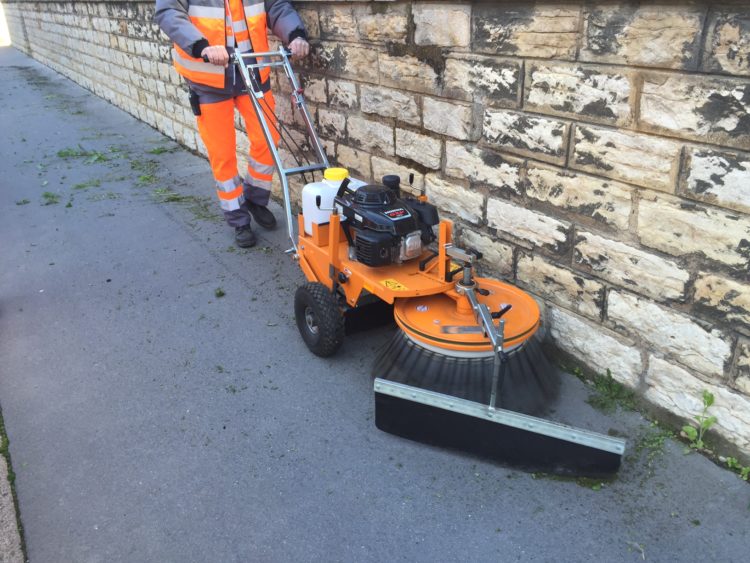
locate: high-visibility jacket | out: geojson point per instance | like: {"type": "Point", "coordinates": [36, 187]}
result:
{"type": "Point", "coordinates": [188, 22]}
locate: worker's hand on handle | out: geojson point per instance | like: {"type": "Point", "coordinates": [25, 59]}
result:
{"type": "Point", "coordinates": [216, 54]}
{"type": "Point", "coordinates": [299, 48]}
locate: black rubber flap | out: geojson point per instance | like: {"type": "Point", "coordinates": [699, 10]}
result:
{"type": "Point", "coordinates": [490, 439]}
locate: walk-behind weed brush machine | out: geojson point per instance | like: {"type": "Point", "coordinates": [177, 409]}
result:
{"type": "Point", "coordinates": [465, 370]}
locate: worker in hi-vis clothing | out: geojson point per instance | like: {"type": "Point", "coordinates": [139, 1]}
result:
{"type": "Point", "coordinates": [204, 29]}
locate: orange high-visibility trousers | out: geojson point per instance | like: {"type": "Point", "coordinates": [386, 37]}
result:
{"type": "Point", "coordinates": [216, 128]}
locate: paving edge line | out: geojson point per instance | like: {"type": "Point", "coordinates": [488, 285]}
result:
{"type": "Point", "coordinates": [12, 545]}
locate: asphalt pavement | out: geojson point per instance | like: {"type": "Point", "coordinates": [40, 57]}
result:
{"type": "Point", "coordinates": [161, 405]}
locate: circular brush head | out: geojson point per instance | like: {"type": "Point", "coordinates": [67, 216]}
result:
{"type": "Point", "coordinates": [530, 384]}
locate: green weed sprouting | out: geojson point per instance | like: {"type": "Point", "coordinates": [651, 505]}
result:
{"type": "Point", "coordinates": [704, 422]}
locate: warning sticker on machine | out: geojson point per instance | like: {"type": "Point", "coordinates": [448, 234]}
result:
{"type": "Point", "coordinates": [394, 285]}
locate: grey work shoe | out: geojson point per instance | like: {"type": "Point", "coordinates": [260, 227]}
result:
{"type": "Point", "coordinates": [262, 215]}
{"type": "Point", "coordinates": [244, 237]}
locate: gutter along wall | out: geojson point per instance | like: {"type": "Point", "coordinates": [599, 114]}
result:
{"type": "Point", "coordinates": [598, 153]}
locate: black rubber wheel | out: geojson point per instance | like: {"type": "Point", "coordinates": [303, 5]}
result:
{"type": "Point", "coordinates": [319, 319]}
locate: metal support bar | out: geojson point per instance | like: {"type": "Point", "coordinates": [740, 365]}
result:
{"type": "Point", "coordinates": [247, 63]}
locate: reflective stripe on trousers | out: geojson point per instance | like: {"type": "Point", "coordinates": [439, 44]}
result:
{"type": "Point", "coordinates": [216, 128]}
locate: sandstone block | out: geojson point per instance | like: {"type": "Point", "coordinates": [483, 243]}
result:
{"type": "Point", "coordinates": [728, 43]}
{"type": "Point", "coordinates": [630, 157]}
{"type": "Point", "coordinates": [345, 60]}
{"type": "Point", "coordinates": [312, 24]}
{"type": "Point", "coordinates": [406, 72]}
{"type": "Point", "coordinates": [683, 228]}
{"type": "Point", "coordinates": [604, 201]}
{"type": "Point", "coordinates": [357, 161]}
{"type": "Point", "coordinates": [332, 124]}
{"type": "Point", "coordinates": [342, 93]}
{"type": "Point", "coordinates": [449, 118]}
{"type": "Point", "coordinates": [672, 333]}
{"type": "Point", "coordinates": [445, 25]}
{"type": "Point", "coordinates": [697, 107]}
{"type": "Point", "coordinates": [337, 22]}
{"type": "Point", "coordinates": [729, 298]}
{"type": "Point", "coordinates": [497, 255]}
{"type": "Point", "coordinates": [479, 165]}
{"type": "Point", "coordinates": [544, 139]}
{"type": "Point", "coordinates": [547, 31]}
{"type": "Point", "coordinates": [680, 392]}
{"type": "Point", "coordinates": [420, 148]}
{"type": "Point", "coordinates": [595, 346]}
{"type": "Point", "coordinates": [569, 289]}
{"type": "Point", "coordinates": [371, 135]}
{"type": "Point", "coordinates": [315, 89]}
{"type": "Point", "coordinates": [659, 36]}
{"type": "Point", "coordinates": [595, 93]}
{"type": "Point", "coordinates": [455, 198]}
{"type": "Point", "coordinates": [382, 167]}
{"type": "Point", "coordinates": [528, 226]}
{"type": "Point", "coordinates": [719, 177]}
{"type": "Point", "coordinates": [494, 81]}
{"type": "Point", "coordinates": [389, 103]}
{"type": "Point", "coordinates": [386, 26]}
{"type": "Point", "coordinates": [743, 365]}
{"type": "Point", "coordinates": [630, 267]}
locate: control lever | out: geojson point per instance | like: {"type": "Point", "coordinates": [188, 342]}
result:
{"type": "Point", "coordinates": [504, 309]}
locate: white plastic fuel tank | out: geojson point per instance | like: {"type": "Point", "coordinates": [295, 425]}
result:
{"type": "Point", "coordinates": [326, 189]}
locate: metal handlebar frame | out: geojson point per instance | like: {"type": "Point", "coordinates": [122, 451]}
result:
{"type": "Point", "coordinates": [249, 65]}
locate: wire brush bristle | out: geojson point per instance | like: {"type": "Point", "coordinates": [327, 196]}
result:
{"type": "Point", "coordinates": [530, 384]}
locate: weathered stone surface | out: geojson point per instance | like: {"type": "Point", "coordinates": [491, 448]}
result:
{"type": "Point", "coordinates": [407, 73]}
{"type": "Point", "coordinates": [544, 139]}
{"type": "Point", "coordinates": [10, 539]}
{"type": "Point", "coordinates": [479, 165]}
{"type": "Point", "coordinates": [389, 103]}
{"type": "Point", "coordinates": [697, 107]}
{"type": "Point", "coordinates": [420, 148]}
{"type": "Point", "coordinates": [719, 177]}
{"type": "Point", "coordinates": [489, 79]}
{"type": "Point", "coordinates": [497, 255]}
{"type": "Point", "coordinates": [357, 161]}
{"type": "Point", "coordinates": [528, 226]}
{"type": "Point", "coordinates": [682, 228]}
{"type": "Point", "coordinates": [337, 22]}
{"type": "Point", "coordinates": [660, 36]}
{"type": "Point", "coordinates": [382, 167]}
{"type": "Point", "coordinates": [595, 346]}
{"type": "Point", "coordinates": [728, 43]}
{"type": "Point", "coordinates": [638, 159]}
{"type": "Point", "coordinates": [566, 288]}
{"type": "Point", "coordinates": [547, 31]}
{"type": "Point", "coordinates": [346, 60]}
{"type": "Point", "coordinates": [673, 333]}
{"type": "Point", "coordinates": [312, 24]}
{"type": "Point", "coordinates": [729, 298]}
{"type": "Point", "coordinates": [371, 135]}
{"type": "Point", "coordinates": [743, 365]}
{"type": "Point", "coordinates": [630, 267]}
{"type": "Point", "coordinates": [386, 26]}
{"type": "Point", "coordinates": [595, 93]}
{"type": "Point", "coordinates": [332, 124]}
{"type": "Point", "coordinates": [315, 89]}
{"type": "Point", "coordinates": [455, 198]}
{"type": "Point", "coordinates": [605, 201]}
{"type": "Point", "coordinates": [442, 24]}
{"type": "Point", "coordinates": [680, 392]}
{"type": "Point", "coordinates": [342, 93]}
{"type": "Point", "coordinates": [449, 118]}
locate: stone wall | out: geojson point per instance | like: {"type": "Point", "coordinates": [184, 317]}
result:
{"type": "Point", "coordinates": [598, 153]}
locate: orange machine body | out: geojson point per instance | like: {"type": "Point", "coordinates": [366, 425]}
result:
{"type": "Point", "coordinates": [428, 306]}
